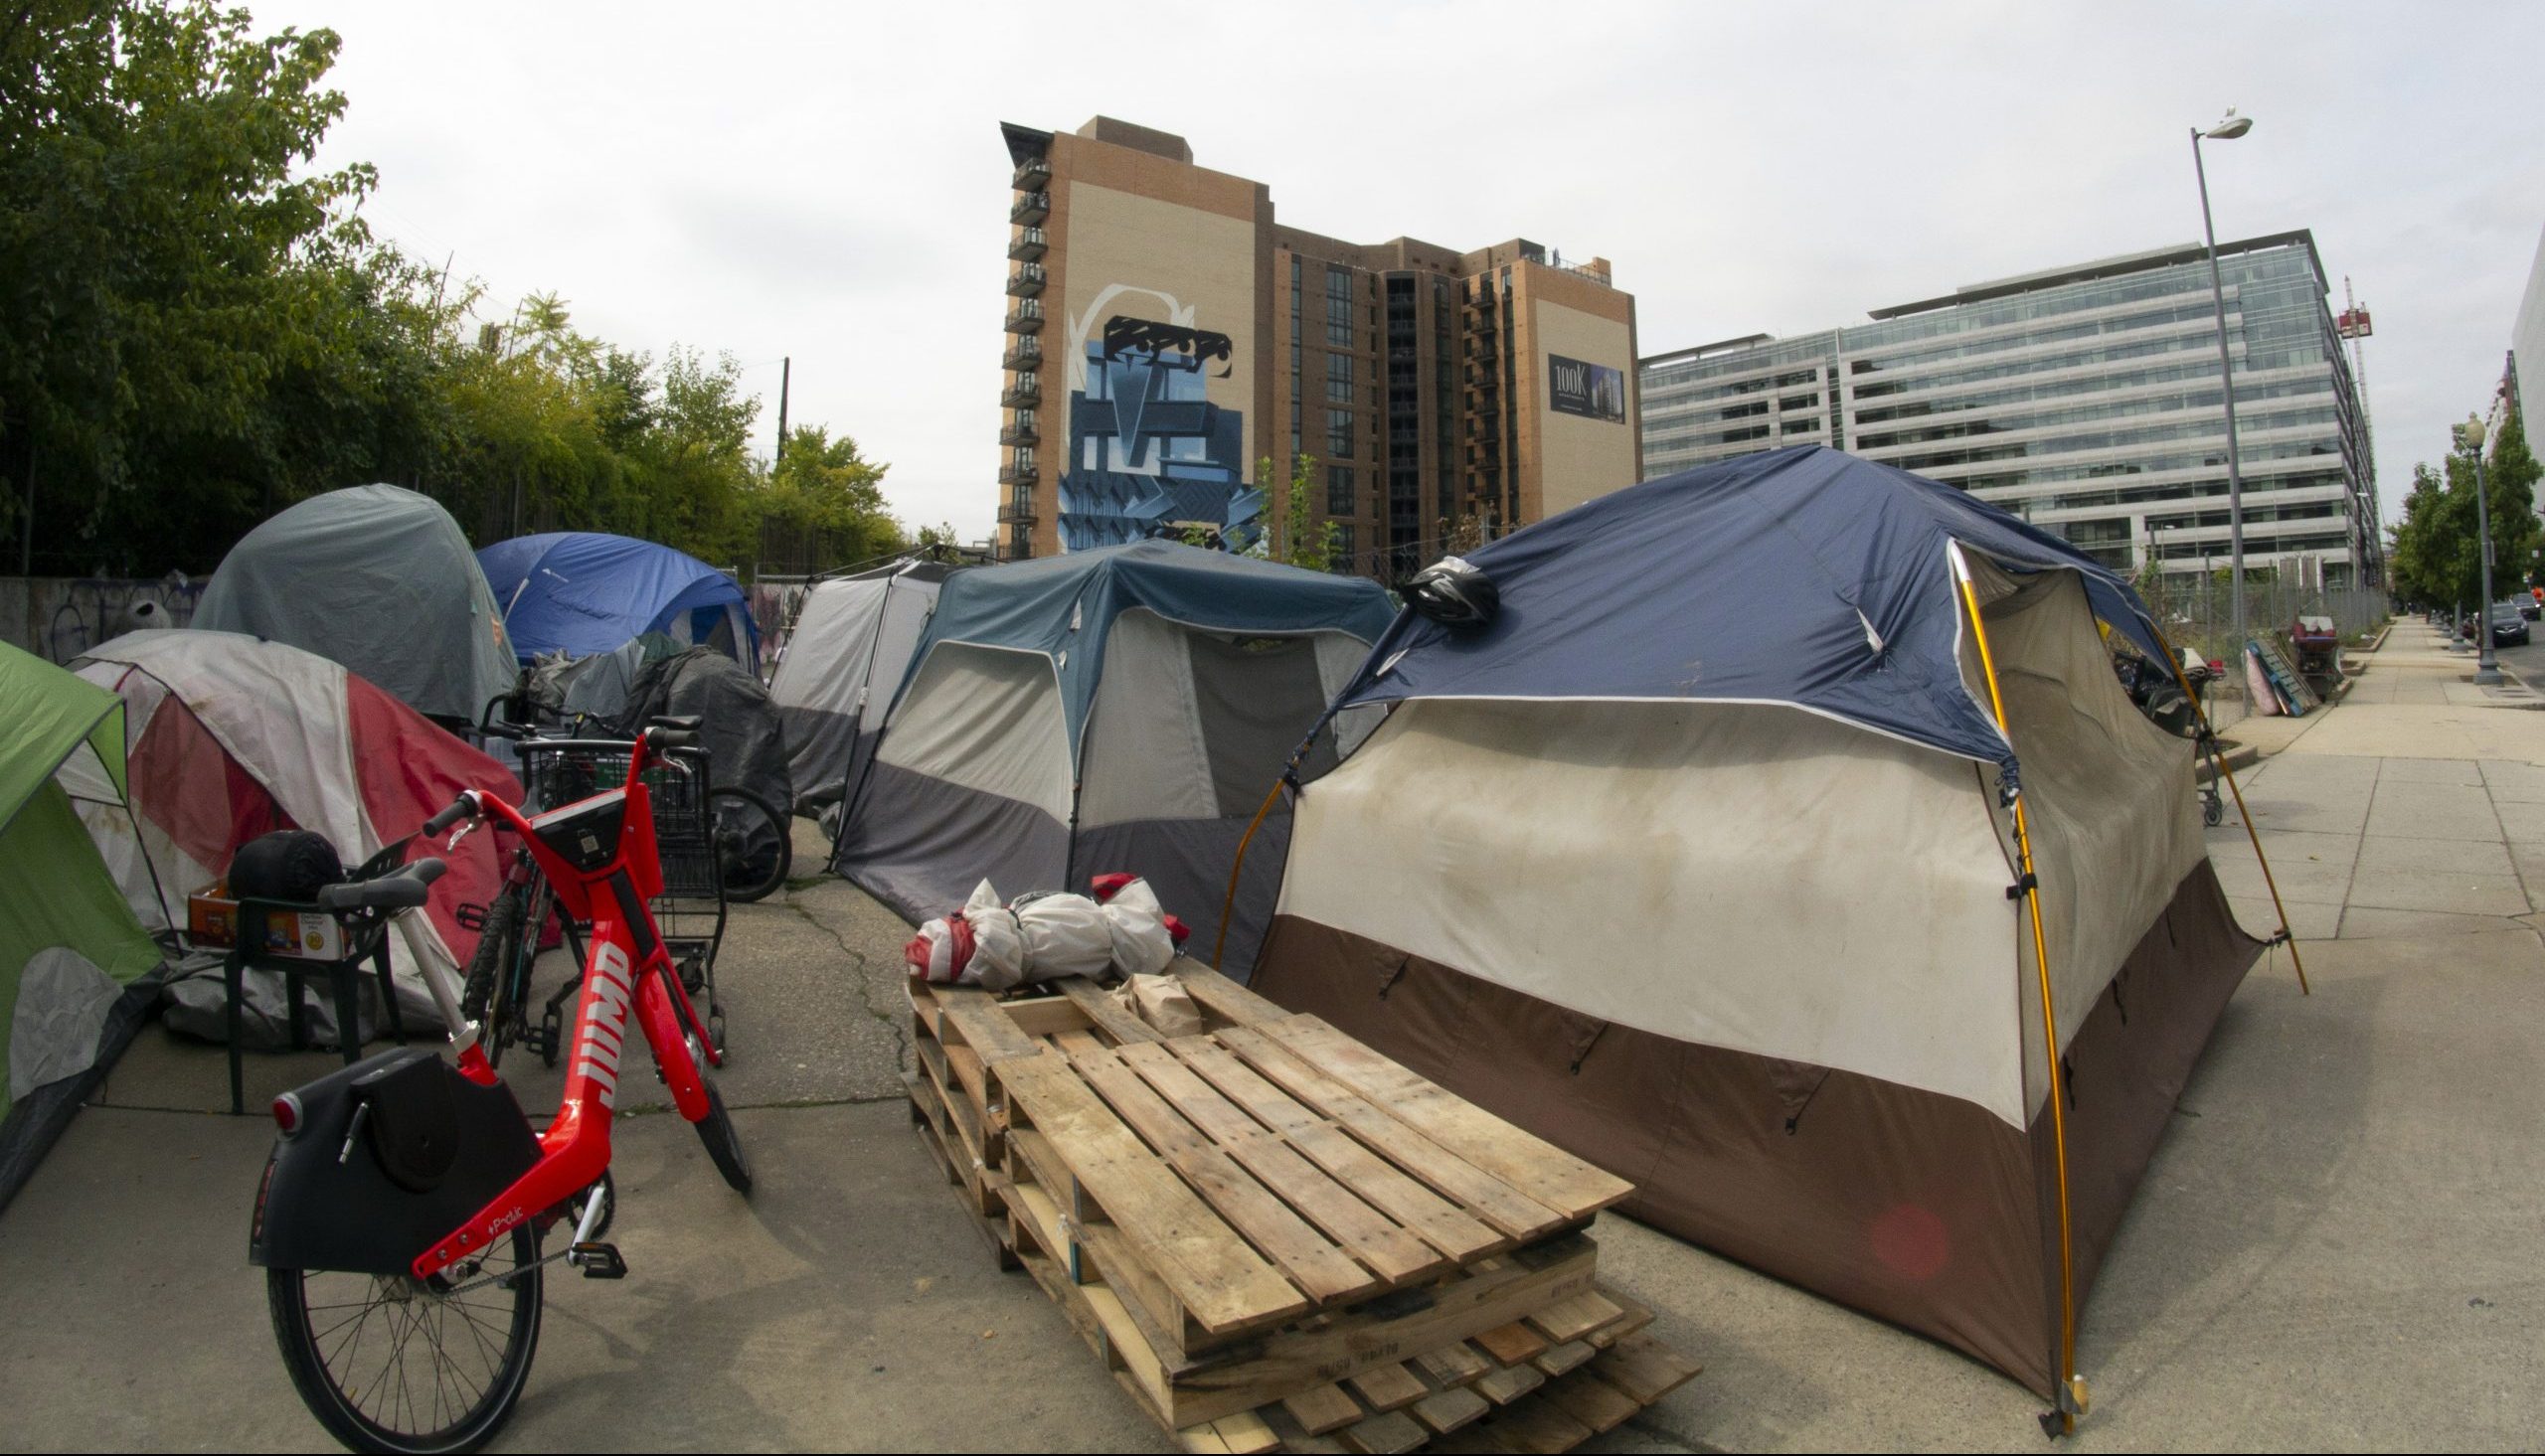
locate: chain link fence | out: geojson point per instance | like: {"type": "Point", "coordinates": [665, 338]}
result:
{"type": "Point", "coordinates": [2198, 613]}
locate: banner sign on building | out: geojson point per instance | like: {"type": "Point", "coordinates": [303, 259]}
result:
{"type": "Point", "coordinates": [1592, 391]}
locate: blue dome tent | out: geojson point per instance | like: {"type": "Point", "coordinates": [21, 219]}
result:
{"type": "Point", "coordinates": [584, 591]}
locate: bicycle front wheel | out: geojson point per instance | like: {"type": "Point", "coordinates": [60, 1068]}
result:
{"type": "Point", "coordinates": [724, 1145]}
{"type": "Point", "coordinates": [401, 1364]}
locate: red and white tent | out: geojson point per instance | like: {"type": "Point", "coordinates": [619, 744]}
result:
{"type": "Point", "coordinates": [229, 737]}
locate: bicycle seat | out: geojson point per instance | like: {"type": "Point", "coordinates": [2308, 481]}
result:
{"type": "Point", "coordinates": [403, 890]}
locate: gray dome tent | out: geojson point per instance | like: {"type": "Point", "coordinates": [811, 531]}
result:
{"type": "Point", "coordinates": [851, 645]}
{"type": "Point", "coordinates": [378, 580]}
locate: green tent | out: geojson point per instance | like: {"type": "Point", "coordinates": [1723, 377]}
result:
{"type": "Point", "coordinates": [78, 972]}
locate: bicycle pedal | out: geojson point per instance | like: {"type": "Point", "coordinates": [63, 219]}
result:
{"type": "Point", "coordinates": [471, 916]}
{"type": "Point", "coordinates": [601, 1261]}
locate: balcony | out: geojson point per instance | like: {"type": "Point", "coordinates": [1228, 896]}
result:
{"type": "Point", "coordinates": [1019, 472]}
{"type": "Point", "coordinates": [1017, 513]}
{"type": "Point", "coordinates": [1025, 244]}
{"type": "Point", "coordinates": [1030, 208]}
{"type": "Point", "coordinates": [1027, 353]}
{"type": "Point", "coordinates": [1022, 432]}
{"type": "Point", "coordinates": [1026, 281]}
{"type": "Point", "coordinates": [1024, 394]}
{"type": "Point", "coordinates": [1026, 317]}
{"type": "Point", "coordinates": [1484, 322]}
{"type": "Point", "coordinates": [1032, 172]}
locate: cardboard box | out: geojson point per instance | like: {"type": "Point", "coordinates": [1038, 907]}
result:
{"type": "Point", "coordinates": [211, 923]}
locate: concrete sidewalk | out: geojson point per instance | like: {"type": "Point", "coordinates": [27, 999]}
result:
{"type": "Point", "coordinates": [2335, 1247]}
{"type": "Point", "coordinates": [2416, 807]}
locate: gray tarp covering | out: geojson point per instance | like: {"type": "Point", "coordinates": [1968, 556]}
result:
{"type": "Point", "coordinates": [600, 683]}
{"type": "Point", "coordinates": [738, 726]}
{"type": "Point", "coordinates": [851, 646]}
{"type": "Point", "coordinates": [380, 579]}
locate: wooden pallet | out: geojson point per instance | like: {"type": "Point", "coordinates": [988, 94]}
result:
{"type": "Point", "coordinates": [1265, 1212]}
{"type": "Point", "coordinates": [2297, 697]}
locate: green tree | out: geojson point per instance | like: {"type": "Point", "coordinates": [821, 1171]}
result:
{"type": "Point", "coordinates": [2438, 549]}
{"type": "Point", "coordinates": [1299, 539]}
{"type": "Point", "coordinates": [170, 292]}
{"type": "Point", "coordinates": [197, 331]}
{"type": "Point", "coordinates": [824, 488]}
{"type": "Point", "coordinates": [2509, 480]}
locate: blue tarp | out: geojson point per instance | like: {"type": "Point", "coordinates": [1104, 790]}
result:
{"type": "Point", "coordinates": [1806, 575]}
{"type": "Point", "coordinates": [1063, 606]}
{"type": "Point", "coordinates": [583, 591]}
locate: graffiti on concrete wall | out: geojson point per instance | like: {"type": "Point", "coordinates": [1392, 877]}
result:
{"type": "Point", "coordinates": [86, 611]}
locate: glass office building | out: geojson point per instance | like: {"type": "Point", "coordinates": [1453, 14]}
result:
{"type": "Point", "coordinates": [2084, 399]}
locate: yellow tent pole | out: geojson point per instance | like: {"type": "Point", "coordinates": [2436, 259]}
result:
{"type": "Point", "coordinates": [2070, 1387]}
{"type": "Point", "coordinates": [1229, 905]}
{"type": "Point", "coordinates": [2175, 659]}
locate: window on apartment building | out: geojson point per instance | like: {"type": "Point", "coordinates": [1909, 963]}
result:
{"type": "Point", "coordinates": [1339, 498]}
{"type": "Point", "coordinates": [1347, 544]}
{"type": "Point", "coordinates": [1338, 306]}
{"type": "Point", "coordinates": [1338, 378]}
{"type": "Point", "coordinates": [1339, 433]}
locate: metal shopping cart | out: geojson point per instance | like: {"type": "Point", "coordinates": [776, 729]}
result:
{"type": "Point", "coordinates": [690, 908]}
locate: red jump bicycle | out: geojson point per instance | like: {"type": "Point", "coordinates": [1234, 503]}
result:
{"type": "Point", "coordinates": [400, 1215]}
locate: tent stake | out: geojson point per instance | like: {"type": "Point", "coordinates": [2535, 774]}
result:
{"type": "Point", "coordinates": [2066, 1399]}
{"type": "Point", "coordinates": [2218, 762]}
{"type": "Point", "coordinates": [1229, 905]}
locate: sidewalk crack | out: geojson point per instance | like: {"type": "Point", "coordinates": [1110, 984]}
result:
{"type": "Point", "coordinates": [891, 1017]}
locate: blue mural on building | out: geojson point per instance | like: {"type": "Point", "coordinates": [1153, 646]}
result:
{"type": "Point", "coordinates": [1148, 453]}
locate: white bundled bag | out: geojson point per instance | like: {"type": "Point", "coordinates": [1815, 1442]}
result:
{"type": "Point", "coordinates": [1043, 936]}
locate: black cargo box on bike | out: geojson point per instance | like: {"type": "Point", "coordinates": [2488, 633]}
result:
{"type": "Point", "coordinates": [432, 1148]}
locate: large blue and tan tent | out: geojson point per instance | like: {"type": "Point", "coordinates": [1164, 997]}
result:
{"type": "Point", "coordinates": [1125, 708]}
{"type": "Point", "coordinates": [1707, 861]}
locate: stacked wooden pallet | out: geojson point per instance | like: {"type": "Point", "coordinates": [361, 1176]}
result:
{"type": "Point", "coordinates": [1276, 1238]}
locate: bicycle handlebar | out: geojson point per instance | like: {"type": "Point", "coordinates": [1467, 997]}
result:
{"type": "Point", "coordinates": [459, 808]}
{"type": "Point", "coordinates": [403, 890]}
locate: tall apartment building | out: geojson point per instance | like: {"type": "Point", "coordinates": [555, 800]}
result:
{"type": "Point", "coordinates": [2084, 399]}
{"type": "Point", "coordinates": [1164, 335]}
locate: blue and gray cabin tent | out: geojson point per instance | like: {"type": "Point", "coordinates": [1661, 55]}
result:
{"type": "Point", "coordinates": [1125, 708]}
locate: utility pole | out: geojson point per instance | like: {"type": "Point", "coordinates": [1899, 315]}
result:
{"type": "Point", "coordinates": [785, 376]}
{"type": "Point", "coordinates": [2486, 669]}
{"type": "Point", "coordinates": [27, 533]}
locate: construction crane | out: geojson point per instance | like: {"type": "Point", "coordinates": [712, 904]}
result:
{"type": "Point", "coordinates": [2353, 324]}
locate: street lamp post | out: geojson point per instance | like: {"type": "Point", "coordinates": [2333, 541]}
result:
{"type": "Point", "coordinates": [2487, 668]}
{"type": "Point", "coordinates": [2228, 129]}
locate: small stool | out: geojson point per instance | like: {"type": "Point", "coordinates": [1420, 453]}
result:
{"type": "Point", "coordinates": [362, 943]}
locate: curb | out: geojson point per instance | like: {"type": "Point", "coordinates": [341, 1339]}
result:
{"type": "Point", "coordinates": [2239, 759]}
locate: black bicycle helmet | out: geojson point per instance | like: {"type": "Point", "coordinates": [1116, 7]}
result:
{"type": "Point", "coordinates": [290, 864]}
{"type": "Point", "coordinates": [1454, 594]}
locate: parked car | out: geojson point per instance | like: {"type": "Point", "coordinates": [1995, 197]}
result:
{"type": "Point", "coordinates": [2509, 628]}
{"type": "Point", "coordinates": [2530, 607]}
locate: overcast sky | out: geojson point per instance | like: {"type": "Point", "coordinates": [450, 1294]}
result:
{"type": "Point", "coordinates": [828, 181]}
